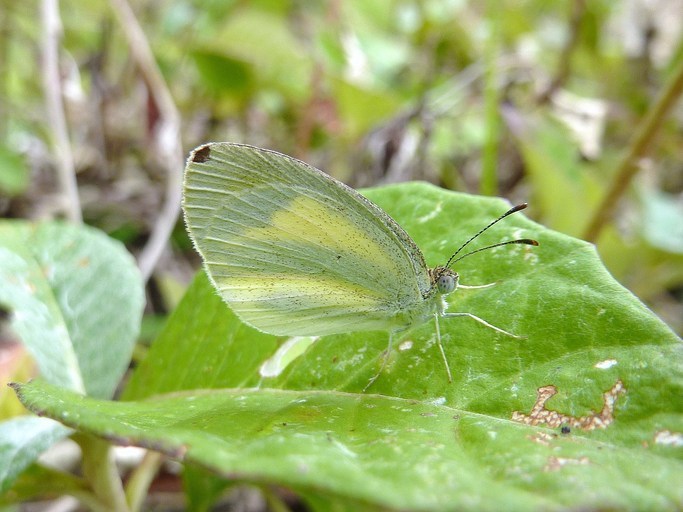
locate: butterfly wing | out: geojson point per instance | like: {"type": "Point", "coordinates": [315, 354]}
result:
{"type": "Point", "coordinates": [293, 251]}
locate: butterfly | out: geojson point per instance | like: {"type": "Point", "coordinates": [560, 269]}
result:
{"type": "Point", "coordinates": [294, 252]}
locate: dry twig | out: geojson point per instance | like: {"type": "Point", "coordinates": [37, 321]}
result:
{"type": "Point", "coordinates": [637, 149]}
{"type": "Point", "coordinates": [167, 135]}
{"type": "Point", "coordinates": [52, 85]}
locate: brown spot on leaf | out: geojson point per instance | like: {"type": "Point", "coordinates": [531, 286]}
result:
{"type": "Point", "coordinates": [556, 463]}
{"type": "Point", "coordinates": [542, 438]}
{"type": "Point", "coordinates": [539, 415]}
{"type": "Point", "coordinates": [667, 437]}
{"type": "Point", "coordinates": [201, 155]}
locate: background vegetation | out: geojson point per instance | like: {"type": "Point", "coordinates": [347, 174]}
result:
{"type": "Point", "coordinates": [525, 100]}
{"type": "Point", "coordinates": [573, 106]}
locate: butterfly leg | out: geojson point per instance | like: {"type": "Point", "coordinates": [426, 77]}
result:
{"type": "Point", "coordinates": [483, 322]}
{"type": "Point", "coordinates": [385, 358]}
{"type": "Point", "coordinates": [476, 286]}
{"type": "Point", "coordinates": [443, 353]}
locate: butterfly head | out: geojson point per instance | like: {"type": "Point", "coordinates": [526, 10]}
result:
{"type": "Point", "coordinates": [444, 280]}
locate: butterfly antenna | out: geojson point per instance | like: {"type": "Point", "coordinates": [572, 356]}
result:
{"type": "Point", "coordinates": [525, 241]}
{"type": "Point", "coordinates": [512, 210]}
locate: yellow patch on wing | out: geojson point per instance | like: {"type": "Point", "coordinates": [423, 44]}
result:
{"type": "Point", "coordinates": [320, 225]}
{"type": "Point", "coordinates": [318, 291]}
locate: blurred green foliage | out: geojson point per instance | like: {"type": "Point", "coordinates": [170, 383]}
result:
{"type": "Point", "coordinates": [372, 92]}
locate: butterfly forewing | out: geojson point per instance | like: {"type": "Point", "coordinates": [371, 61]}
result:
{"type": "Point", "coordinates": [294, 252]}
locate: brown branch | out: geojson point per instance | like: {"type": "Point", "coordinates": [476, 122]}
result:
{"type": "Point", "coordinates": [59, 132]}
{"type": "Point", "coordinates": [564, 64]}
{"type": "Point", "coordinates": [167, 135]}
{"type": "Point", "coordinates": [637, 149]}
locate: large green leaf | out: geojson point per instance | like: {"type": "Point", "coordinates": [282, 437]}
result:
{"type": "Point", "coordinates": [22, 440]}
{"type": "Point", "coordinates": [75, 300]}
{"type": "Point", "coordinates": [385, 450]}
{"type": "Point", "coordinates": [414, 440]}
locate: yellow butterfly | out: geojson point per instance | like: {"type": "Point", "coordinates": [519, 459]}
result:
{"type": "Point", "coordinates": [295, 252]}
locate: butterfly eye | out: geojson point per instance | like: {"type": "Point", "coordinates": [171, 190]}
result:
{"type": "Point", "coordinates": [446, 283]}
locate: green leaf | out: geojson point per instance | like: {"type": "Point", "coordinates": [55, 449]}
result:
{"type": "Point", "coordinates": [554, 164]}
{"type": "Point", "coordinates": [40, 483]}
{"type": "Point", "coordinates": [662, 220]}
{"type": "Point", "coordinates": [222, 73]}
{"type": "Point", "coordinates": [361, 108]}
{"type": "Point", "coordinates": [416, 441]}
{"type": "Point", "coordinates": [390, 451]}
{"type": "Point", "coordinates": [75, 298]}
{"type": "Point", "coordinates": [202, 488]}
{"type": "Point", "coordinates": [22, 440]}
{"type": "Point", "coordinates": [261, 40]}
{"type": "Point", "coordinates": [14, 173]}
{"type": "Point", "coordinates": [203, 345]}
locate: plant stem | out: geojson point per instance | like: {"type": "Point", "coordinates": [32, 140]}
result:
{"type": "Point", "coordinates": [138, 484]}
{"type": "Point", "coordinates": [101, 473]}
{"type": "Point", "coordinates": [640, 142]}
{"type": "Point", "coordinates": [489, 163]}
{"type": "Point", "coordinates": [168, 140]}
{"type": "Point", "coordinates": [52, 85]}
{"type": "Point", "coordinates": [564, 64]}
